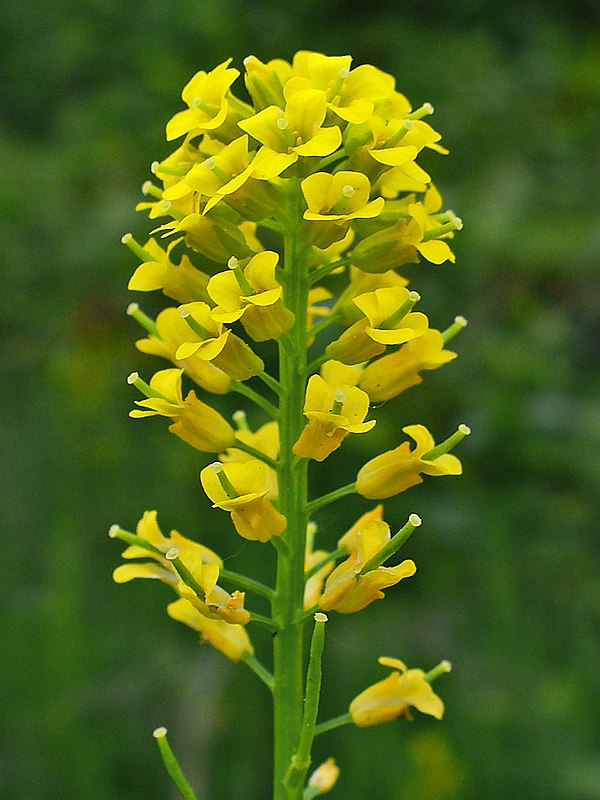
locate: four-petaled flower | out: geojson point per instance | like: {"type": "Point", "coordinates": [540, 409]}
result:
{"type": "Point", "coordinates": [347, 589]}
{"type": "Point", "coordinates": [252, 295]}
{"type": "Point", "coordinates": [392, 697]}
{"type": "Point", "coordinates": [334, 410]}
{"type": "Point", "coordinates": [232, 640]}
{"type": "Point", "coordinates": [396, 470]}
{"type": "Point", "coordinates": [193, 421]}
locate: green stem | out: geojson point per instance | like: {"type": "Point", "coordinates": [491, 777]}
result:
{"type": "Point", "coordinates": [255, 397]}
{"type": "Point", "coordinates": [322, 272]}
{"type": "Point", "coordinates": [336, 722]}
{"type": "Point", "coordinates": [273, 384]}
{"type": "Point", "coordinates": [341, 551]}
{"type": "Point", "coordinates": [321, 326]}
{"type": "Point", "coordinates": [293, 488]}
{"type": "Point", "coordinates": [325, 499]}
{"type": "Point", "coordinates": [298, 768]}
{"type": "Point", "coordinates": [252, 451]}
{"type": "Point", "coordinates": [247, 583]}
{"type": "Point", "coordinates": [262, 620]}
{"type": "Point", "coordinates": [172, 765]}
{"type": "Point", "coordinates": [259, 670]}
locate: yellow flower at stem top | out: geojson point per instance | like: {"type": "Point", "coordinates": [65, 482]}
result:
{"type": "Point", "coordinates": [206, 97]}
{"type": "Point", "coordinates": [346, 589]}
{"type": "Point", "coordinates": [193, 421]}
{"type": "Point", "coordinates": [290, 133]}
{"type": "Point", "coordinates": [333, 412]}
{"type": "Point", "coordinates": [333, 202]}
{"type": "Point", "coordinates": [231, 640]}
{"type": "Point", "coordinates": [241, 488]}
{"type": "Point", "coordinates": [253, 295]}
{"type": "Point", "coordinates": [396, 470]}
{"type": "Point", "coordinates": [392, 697]}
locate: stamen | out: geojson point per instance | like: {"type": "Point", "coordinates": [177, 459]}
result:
{"type": "Point", "coordinates": [456, 327]}
{"type": "Point", "coordinates": [339, 398]}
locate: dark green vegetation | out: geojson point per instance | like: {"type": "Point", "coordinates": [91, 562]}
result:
{"type": "Point", "coordinates": [508, 585]}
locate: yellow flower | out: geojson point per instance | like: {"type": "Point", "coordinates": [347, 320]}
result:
{"type": "Point", "coordinates": [252, 295]}
{"type": "Point", "coordinates": [387, 321]}
{"type": "Point", "coordinates": [346, 589]}
{"type": "Point", "coordinates": [160, 568]}
{"type": "Point", "coordinates": [333, 412]}
{"type": "Point", "coordinates": [231, 640]}
{"type": "Point", "coordinates": [361, 282]}
{"type": "Point", "coordinates": [351, 94]}
{"type": "Point", "coordinates": [286, 135]}
{"type": "Point", "coordinates": [325, 776]}
{"type": "Point", "coordinates": [333, 202]}
{"type": "Point", "coordinates": [173, 331]}
{"type": "Point", "coordinates": [348, 540]}
{"type": "Point", "coordinates": [390, 375]}
{"type": "Point", "coordinates": [209, 340]}
{"type": "Point", "coordinates": [265, 82]}
{"type": "Point", "coordinates": [265, 439]}
{"type": "Point", "coordinates": [240, 487]}
{"type": "Point", "coordinates": [214, 236]}
{"type": "Point", "coordinates": [396, 470]}
{"type": "Point", "coordinates": [392, 697]}
{"type": "Point", "coordinates": [193, 421]}
{"type": "Point", "coordinates": [182, 282]}
{"type": "Point", "coordinates": [205, 96]}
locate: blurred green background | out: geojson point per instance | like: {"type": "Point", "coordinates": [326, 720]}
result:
{"type": "Point", "coordinates": [508, 586]}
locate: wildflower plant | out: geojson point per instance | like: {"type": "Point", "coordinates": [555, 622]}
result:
{"type": "Point", "coordinates": [286, 218]}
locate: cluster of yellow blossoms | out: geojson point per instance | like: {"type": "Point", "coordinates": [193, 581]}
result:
{"type": "Point", "coordinates": [285, 218]}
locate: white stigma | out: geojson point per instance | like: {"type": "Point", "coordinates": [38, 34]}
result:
{"type": "Point", "coordinates": [210, 163]}
{"type": "Point", "coordinates": [172, 553]}
{"type": "Point", "coordinates": [239, 416]}
{"type": "Point", "coordinates": [414, 296]}
{"type": "Point", "coordinates": [132, 308]}
{"type": "Point", "coordinates": [216, 467]}
{"type": "Point", "coordinates": [348, 191]}
{"type": "Point", "coordinates": [428, 108]}
{"type": "Point", "coordinates": [131, 379]}
{"type": "Point", "coordinates": [408, 124]}
{"type": "Point", "coordinates": [446, 665]}
{"type": "Point", "coordinates": [344, 72]}
{"type": "Point", "coordinates": [127, 237]}
{"type": "Point", "coordinates": [464, 429]}
{"type": "Point", "coordinates": [282, 124]}
{"type": "Point", "coordinates": [154, 167]}
{"type": "Point", "coordinates": [158, 733]}
{"type": "Point", "coordinates": [461, 321]}
{"type": "Point", "coordinates": [340, 396]}
{"type": "Point", "coordinates": [247, 60]}
{"type": "Point", "coordinates": [184, 313]}
{"type": "Point", "coordinates": [165, 205]}
{"type": "Point", "coordinates": [114, 530]}
{"type": "Point", "coordinates": [196, 102]}
{"type": "Point", "coordinates": [233, 263]}
{"type": "Point", "coordinates": [320, 617]}
{"type": "Point", "coordinates": [146, 185]}
{"type": "Point", "coordinates": [415, 520]}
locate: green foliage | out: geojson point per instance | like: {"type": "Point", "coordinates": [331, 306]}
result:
{"type": "Point", "coordinates": [510, 591]}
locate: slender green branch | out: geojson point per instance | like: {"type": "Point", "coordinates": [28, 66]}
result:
{"type": "Point", "coordinates": [172, 765]}
{"type": "Point", "coordinates": [321, 326]}
{"type": "Point", "coordinates": [258, 669]}
{"type": "Point", "coordinates": [322, 272]}
{"type": "Point", "coordinates": [333, 556]}
{"type": "Point", "coordinates": [262, 620]}
{"type": "Point", "coordinates": [300, 762]}
{"type": "Point", "coordinates": [255, 397]}
{"type": "Point", "coordinates": [336, 722]}
{"type": "Point", "coordinates": [316, 364]}
{"type": "Point", "coordinates": [301, 618]}
{"type": "Point", "coordinates": [252, 451]}
{"type": "Point", "coordinates": [325, 499]}
{"type": "Point", "coordinates": [247, 583]}
{"type": "Point", "coordinates": [271, 382]}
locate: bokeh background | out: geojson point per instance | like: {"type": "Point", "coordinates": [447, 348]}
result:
{"type": "Point", "coordinates": [508, 585]}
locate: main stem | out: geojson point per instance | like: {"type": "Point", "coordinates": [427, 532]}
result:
{"type": "Point", "coordinates": [293, 487]}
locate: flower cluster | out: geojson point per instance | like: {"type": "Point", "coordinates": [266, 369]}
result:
{"type": "Point", "coordinates": [286, 220]}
